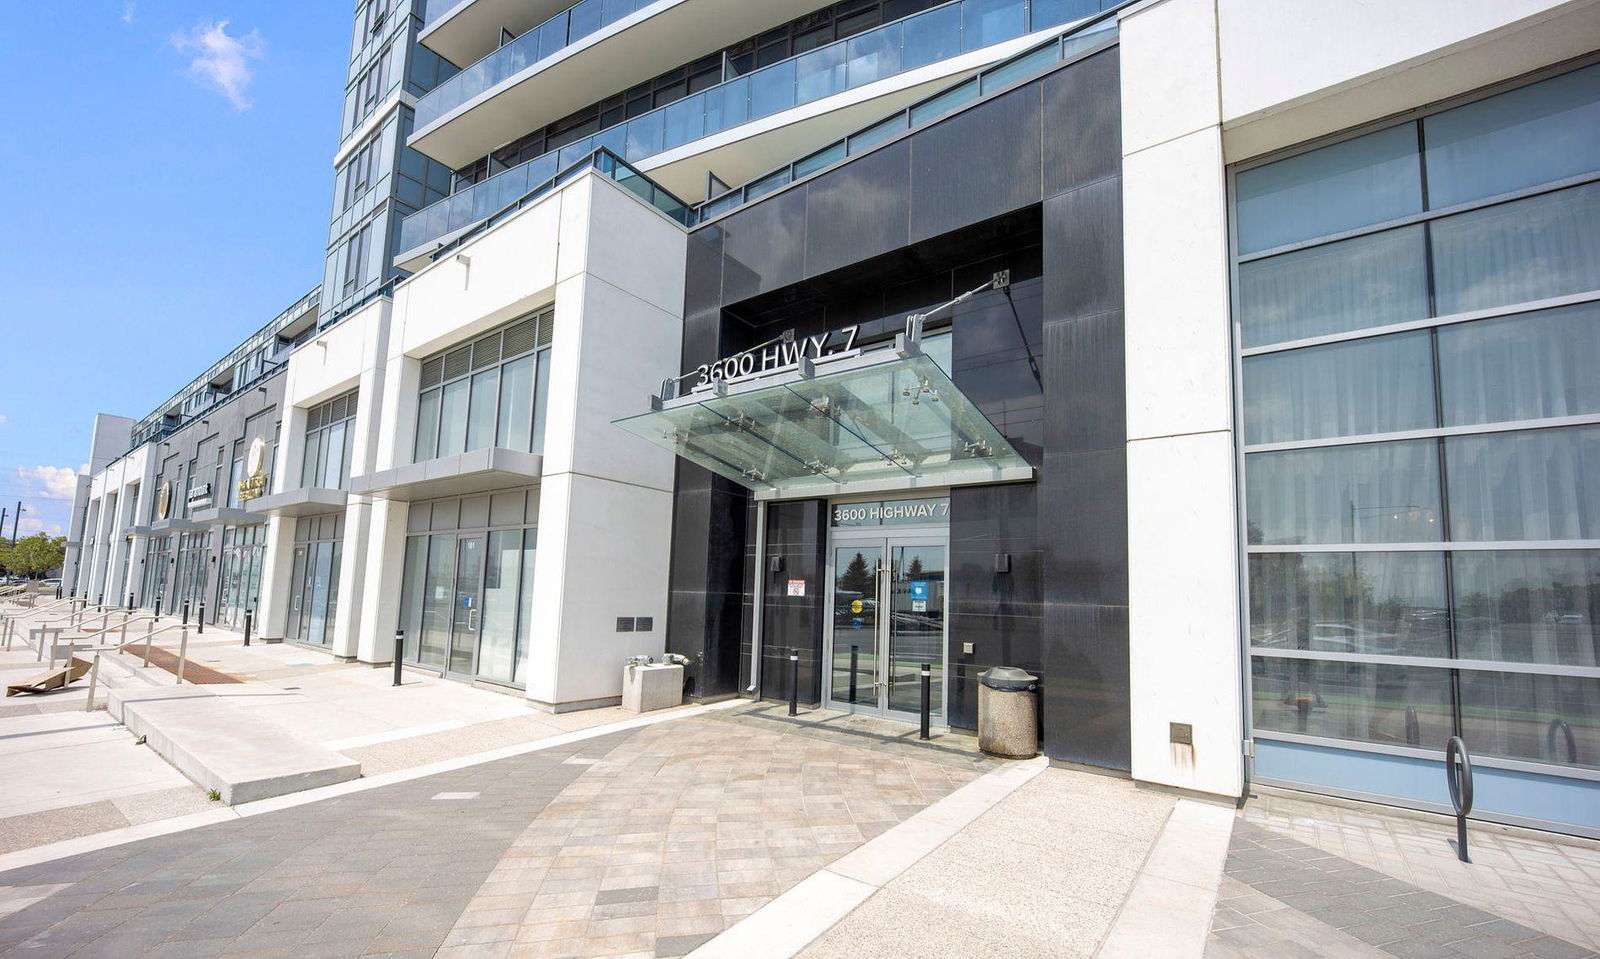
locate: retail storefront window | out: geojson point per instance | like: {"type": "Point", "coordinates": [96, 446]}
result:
{"type": "Point", "coordinates": [314, 578]}
{"type": "Point", "coordinates": [156, 559]}
{"type": "Point", "coordinates": [467, 595]}
{"type": "Point", "coordinates": [1418, 317]}
{"type": "Point", "coordinates": [490, 392]}
{"type": "Point", "coordinates": [244, 550]}
{"type": "Point", "coordinates": [191, 573]}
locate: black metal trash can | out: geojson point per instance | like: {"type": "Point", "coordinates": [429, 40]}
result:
{"type": "Point", "coordinates": [1008, 713]}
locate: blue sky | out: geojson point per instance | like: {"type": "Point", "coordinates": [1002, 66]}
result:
{"type": "Point", "coordinates": [169, 184]}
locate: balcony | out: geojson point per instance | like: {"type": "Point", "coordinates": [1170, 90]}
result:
{"type": "Point", "coordinates": [465, 31]}
{"type": "Point", "coordinates": [923, 51]}
{"type": "Point", "coordinates": [581, 56]}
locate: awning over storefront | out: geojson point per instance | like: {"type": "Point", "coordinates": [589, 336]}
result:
{"type": "Point", "coordinates": [857, 422]}
{"type": "Point", "coordinates": [306, 501]}
{"type": "Point", "coordinates": [461, 474]}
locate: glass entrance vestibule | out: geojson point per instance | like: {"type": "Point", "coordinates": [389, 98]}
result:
{"type": "Point", "coordinates": [887, 574]}
{"type": "Point", "coordinates": [466, 602]}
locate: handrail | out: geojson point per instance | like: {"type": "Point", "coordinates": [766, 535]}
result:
{"type": "Point", "coordinates": [147, 639]}
{"type": "Point", "coordinates": [1458, 777]}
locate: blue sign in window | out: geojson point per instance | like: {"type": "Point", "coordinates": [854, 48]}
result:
{"type": "Point", "coordinates": [919, 589]}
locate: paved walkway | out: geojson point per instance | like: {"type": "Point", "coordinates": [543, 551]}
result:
{"type": "Point", "coordinates": [1307, 878]}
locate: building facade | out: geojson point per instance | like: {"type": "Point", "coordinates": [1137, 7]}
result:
{"type": "Point", "coordinates": [1224, 365]}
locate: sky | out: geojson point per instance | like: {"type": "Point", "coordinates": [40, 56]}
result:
{"type": "Point", "coordinates": [168, 177]}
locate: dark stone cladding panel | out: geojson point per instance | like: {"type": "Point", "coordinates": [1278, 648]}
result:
{"type": "Point", "coordinates": [1085, 696]}
{"type": "Point", "coordinates": [764, 246]}
{"type": "Point", "coordinates": [999, 613]}
{"type": "Point", "coordinates": [1083, 126]}
{"type": "Point", "coordinates": [1083, 248]}
{"type": "Point", "coordinates": [859, 210]}
{"type": "Point", "coordinates": [978, 164]}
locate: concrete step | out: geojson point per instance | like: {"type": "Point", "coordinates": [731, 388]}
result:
{"type": "Point", "coordinates": [224, 746]}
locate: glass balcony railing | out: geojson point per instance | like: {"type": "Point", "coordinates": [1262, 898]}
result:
{"type": "Point", "coordinates": [555, 34]}
{"type": "Point", "coordinates": [536, 179]}
{"type": "Point", "coordinates": [936, 34]}
{"type": "Point", "coordinates": [1086, 37]}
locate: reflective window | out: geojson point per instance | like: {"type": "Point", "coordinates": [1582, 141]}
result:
{"type": "Point", "coordinates": [1363, 702]}
{"type": "Point", "coordinates": [1515, 252]}
{"type": "Point", "coordinates": [1521, 367]}
{"type": "Point", "coordinates": [1390, 604]}
{"type": "Point", "coordinates": [1377, 385]}
{"type": "Point", "coordinates": [314, 581]}
{"type": "Point", "coordinates": [489, 392]}
{"type": "Point", "coordinates": [1369, 179]}
{"type": "Point", "coordinates": [1532, 484]}
{"type": "Point", "coordinates": [1551, 719]}
{"type": "Point", "coordinates": [1349, 285]}
{"type": "Point", "coordinates": [329, 443]}
{"type": "Point", "coordinates": [1536, 134]}
{"type": "Point", "coordinates": [1366, 493]}
{"type": "Point", "coordinates": [1528, 606]}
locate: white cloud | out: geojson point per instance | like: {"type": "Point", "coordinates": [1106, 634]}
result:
{"type": "Point", "coordinates": [29, 526]}
{"type": "Point", "coordinates": [51, 482]}
{"type": "Point", "coordinates": [127, 11]}
{"type": "Point", "coordinates": [2, 419]}
{"type": "Point", "coordinates": [220, 60]}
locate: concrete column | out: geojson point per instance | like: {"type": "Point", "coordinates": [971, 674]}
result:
{"type": "Point", "coordinates": [1183, 549]}
{"type": "Point", "coordinates": [385, 555]}
{"type": "Point", "coordinates": [272, 616]}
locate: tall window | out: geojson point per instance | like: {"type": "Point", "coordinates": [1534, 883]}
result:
{"type": "Point", "coordinates": [330, 439]}
{"type": "Point", "coordinates": [355, 258]}
{"type": "Point", "coordinates": [490, 392]}
{"type": "Point", "coordinates": [1418, 312]}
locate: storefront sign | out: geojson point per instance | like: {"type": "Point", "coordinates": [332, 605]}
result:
{"type": "Point", "coordinates": [797, 587]}
{"type": "Point", "coordinates": [164, 500]}
{"type": "Point", "coordinates": [200, 496]}
{"type": "Point", "coordinates": [255, 482]}
{"type": "Point", "coordinates": [894, 512]}
{"type": "Point", "coordinates": [774, 357]}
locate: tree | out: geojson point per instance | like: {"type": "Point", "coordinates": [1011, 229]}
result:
{"type": "Point", "coordinates": [857, 578]}
{"type": "Point", "coordinates": [33, 555]}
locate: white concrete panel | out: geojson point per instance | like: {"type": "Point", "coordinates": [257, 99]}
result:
{"type": "Point", "coordinates": [490, 280]}
{"type": "Point", "coordinates": [1179, 367]}
{"type": "Point", "coordinates": [632, 246]}
{"type": "Point", "coordinates": [1292, 72]}
{"type": "Point", "coordinates": [272, 617]}
{"type": "Point", "coordinates": [1169, 71]}
{"type": "Point", "coordinates": [1183, 597]}
{"type": "Point", "coordinates": [615, 548]}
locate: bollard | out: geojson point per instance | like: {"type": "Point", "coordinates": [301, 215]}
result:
{"type": "Point", "coordinates": [158, 609]}
{"type": "Point", "coordinates": [794, 682]}
{"type": "Point", "coordinates": [200, 620]}
{"type": "Point", "coordinates": [1459, 779]}
{"type": "Point", "coordinates": [58, 592]}
{"type": "Point", "coordinates": [100, 603]}
{"type": "Point", "coordinates": [248, 616]}
{"type": "Point", "coordinates": [185, 620]}
{"type": "Point", "coordinates": [927, 696]}
{"type": "Point", "coordinates": [399, 646]}
{"type": "Point", "coordinates": [130, 600]}
{"type": "Point", "coordinates": [183, 653]}
{"type": "Point", "coordinates": [855, 663]}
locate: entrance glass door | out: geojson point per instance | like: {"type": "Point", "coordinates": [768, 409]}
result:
{"type": "Point", "coordinates": [468, 604]}
{"type": "Point", "coordinates": [888, 621]}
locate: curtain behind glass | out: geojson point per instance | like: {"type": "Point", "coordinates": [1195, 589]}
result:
{"type": "Point", "coordinates": [1390, 604]}
{"type": "Point", "coordinates": [1547, 245]}
{"type": "Point", "coordinates": [1532, 484]}
{"type": "Point", "coordinates": [1350, 285]}
{"type": "Point", "coordinates": [1528, 606]}
{"type": "Point", "coordinates": [1521, 367]}
{"type": "Point", "coordinates": [1366, 493]}
{"type": "Point", "coordinates": [1377, 385]}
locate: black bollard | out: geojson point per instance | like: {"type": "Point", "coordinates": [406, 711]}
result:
{"type": "Point", "coordinates": [130, 600]}
{"type": "Point", "coordinates": [794, 682]}
{"type": "Point", "coordinates": [927, 696]}
{"type": "Point", "coordinates": [158, 609]}
{"type": "Point", "coordinates": [185, 613]}
{"type": "Point", "coordinates": [855, 663]}
{"type": "Point", "coordinates": [249, 616]}
{"type": "Point", "coordinates": [200, 621]}
{"type": "Point", "coordinates": [399, 647]}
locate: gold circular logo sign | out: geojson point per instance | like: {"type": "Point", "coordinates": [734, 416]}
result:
{"type": "Point", "coordinates": [256, 460]}
{"type": "Point", "coordinates": [164, 499]}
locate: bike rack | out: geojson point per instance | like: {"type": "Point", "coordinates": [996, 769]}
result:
{"type": "Point", "coordinates": [1458, 776]}
{"type": "Point", "coordinates": [1560, 726]}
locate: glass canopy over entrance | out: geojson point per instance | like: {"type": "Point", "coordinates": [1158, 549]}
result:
{"type": "Point", "coordinates": [890, 419]}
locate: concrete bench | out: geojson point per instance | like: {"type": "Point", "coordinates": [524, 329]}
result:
{"type": "Point", "coordinates": [221, 746]}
